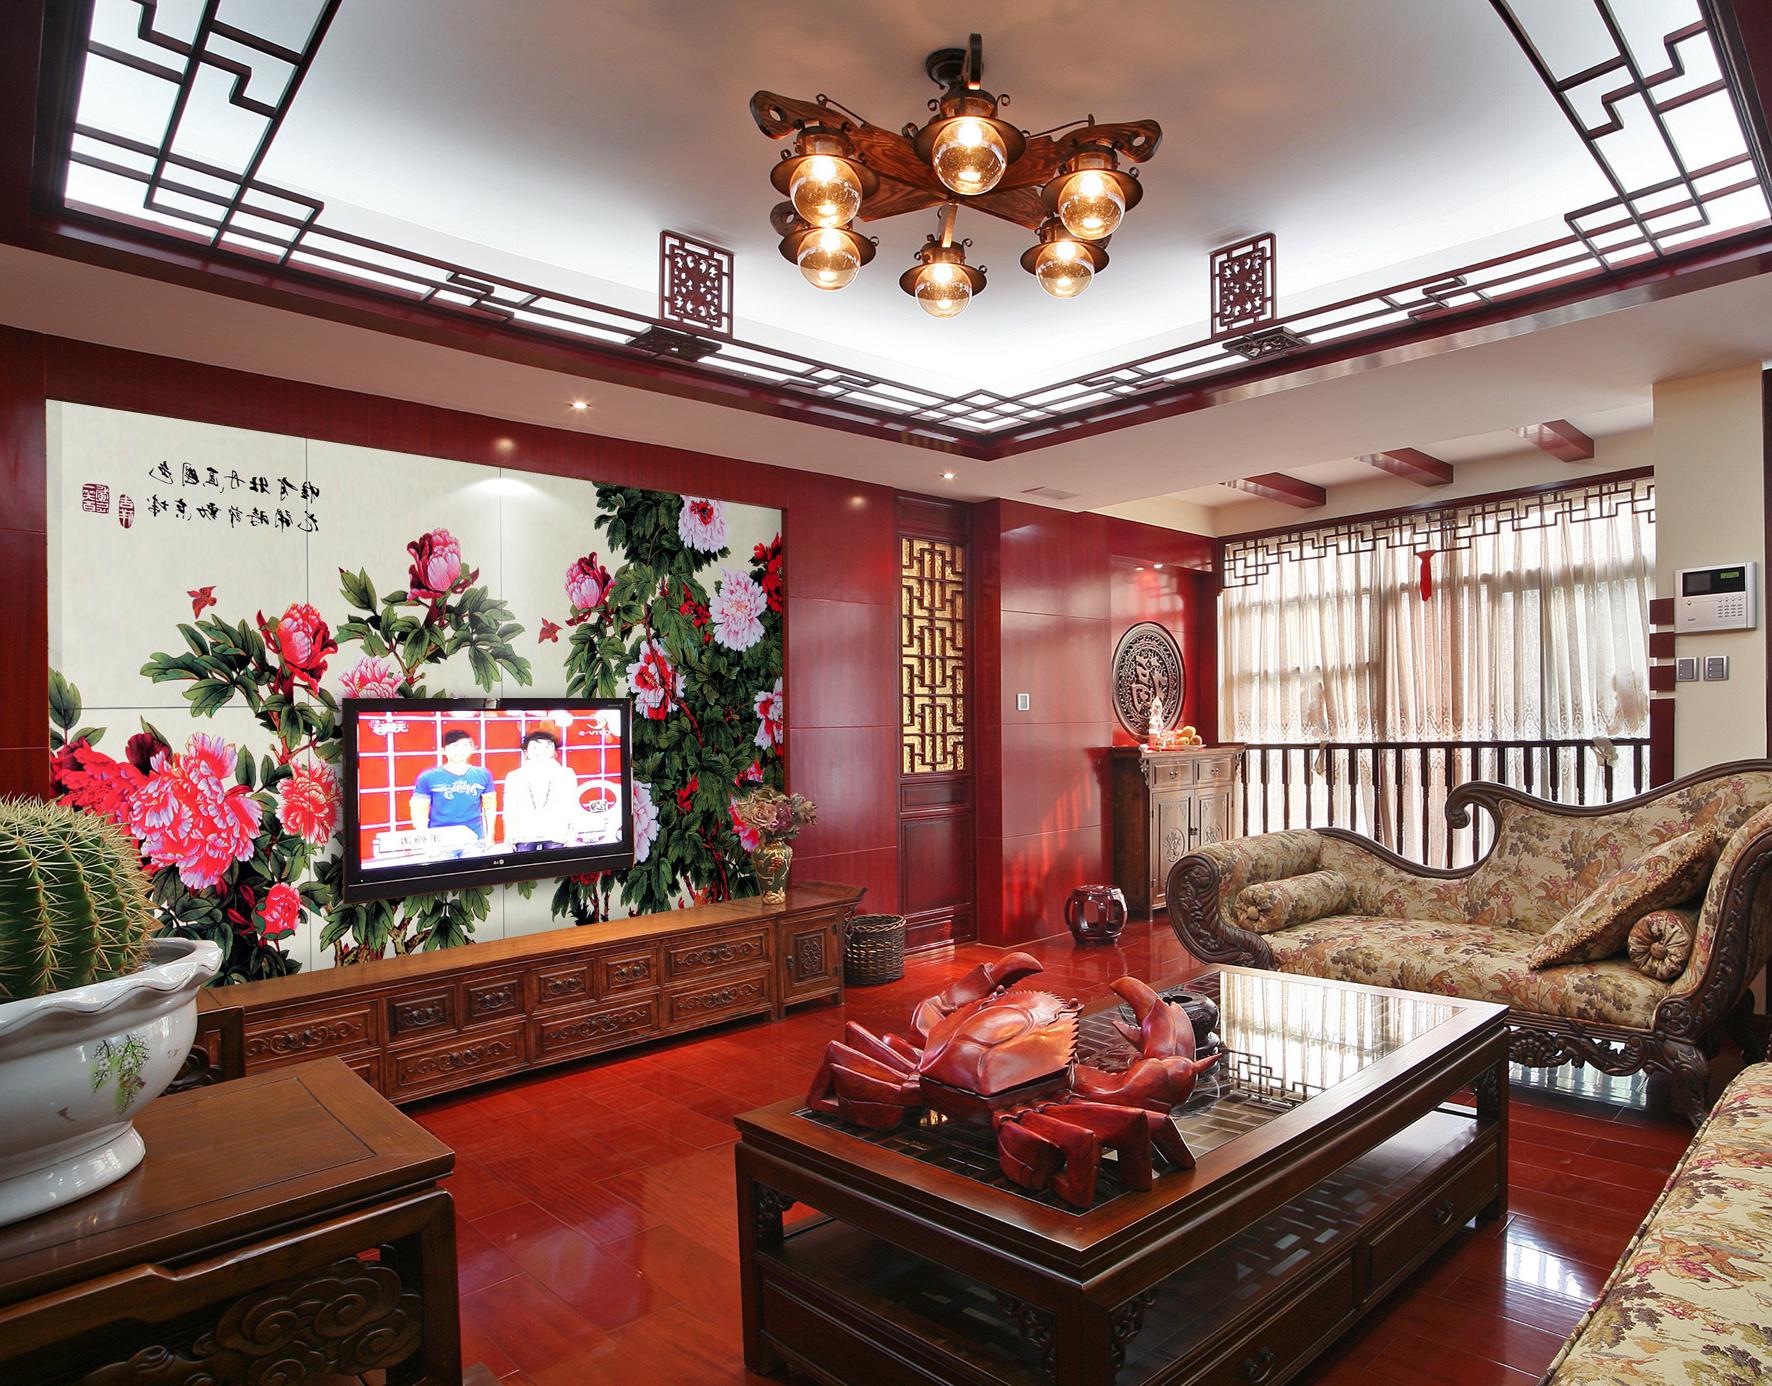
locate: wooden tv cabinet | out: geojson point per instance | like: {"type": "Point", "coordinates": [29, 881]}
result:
{"type": "Point", "coordinates": [428, 1023]}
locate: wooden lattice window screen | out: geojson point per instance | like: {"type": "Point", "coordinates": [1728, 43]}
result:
{"type": "Point", "coordinates": [932, 654]}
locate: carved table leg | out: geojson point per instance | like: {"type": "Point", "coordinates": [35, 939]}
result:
{"type": "Point", "coordinates": [1492, 1105]}
{"type": "Point", "coordinates": [759, 1233]}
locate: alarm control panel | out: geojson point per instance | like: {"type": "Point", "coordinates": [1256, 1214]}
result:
{"type": "Point", "coordinates": [1721, 598]}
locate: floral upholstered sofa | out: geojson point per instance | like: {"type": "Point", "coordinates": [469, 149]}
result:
{"type": "Point", "coordinates": [1690, 1301]}
{"type": "Point", "coordinates": [1471, 932]}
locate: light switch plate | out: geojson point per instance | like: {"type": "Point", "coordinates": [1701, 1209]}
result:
{"type": "Point", "coordinates": [1686, 669]}
{"type": "Point", "coordinates": [1023, 702]}
{"type": "Point", "coordinates": [1716, 667]}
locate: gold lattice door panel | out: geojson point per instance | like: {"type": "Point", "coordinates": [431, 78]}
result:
{"type": "Point", "coordinates": [932, 654]}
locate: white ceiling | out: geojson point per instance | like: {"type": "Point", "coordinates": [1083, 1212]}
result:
{"type": "Point", "coordinates": [555, 138]}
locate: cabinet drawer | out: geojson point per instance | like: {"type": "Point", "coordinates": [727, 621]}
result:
{"type": "Point", "coordinates": [290, 1041]}
{"type": "Point", "coordinates": [1439, 1213]}
{"type": "Point", "coordinates": [455, 1061]}
{"type": "Point", "coordinates": [420, 1012]}
{"type": "Point", "coordinates": [717, 1000]}
{"type": "Point", "coordinates": [491, 998]}
{"type": "Point", "coordinates": [567, 984]}
{"type": "Point", "coordinates": [1291, 1337]}
{"type": "Point", "coordinates": [1213, 771]}
{"type": "Point", "coordinates": [619, 972]}
{"type": "Point", "coordinates": [704, 956]}
{"type": "Point", "coordinates": [1168, 774]}
{"type": "Point", "coordinates": [585, 1031]}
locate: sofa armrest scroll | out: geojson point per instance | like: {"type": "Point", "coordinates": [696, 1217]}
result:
{"type": "Point", "coordinates": [1733, 941]}
{"type": "Point", "coordinates": [1203, 886]}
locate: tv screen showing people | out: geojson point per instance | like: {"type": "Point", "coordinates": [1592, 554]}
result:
{"type": "Point", "coordinates": [485, 791]}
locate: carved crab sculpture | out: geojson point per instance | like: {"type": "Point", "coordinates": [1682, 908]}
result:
{"type": "Point", "coordinates": [982, 1053]}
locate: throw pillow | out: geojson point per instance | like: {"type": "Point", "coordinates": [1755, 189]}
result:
{"type": "Point", "coordinates": [1270, 905]}
{"type": "Point", "coordinates": [1661, 943]}
{"type": "Point", "coordinates": [1598, 927]}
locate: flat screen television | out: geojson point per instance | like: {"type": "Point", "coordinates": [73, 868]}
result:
{"type": "Point", "coordinates": [444, 793]}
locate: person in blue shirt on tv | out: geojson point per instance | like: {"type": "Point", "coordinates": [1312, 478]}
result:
{"type": "Point", "coordinates": [455, 794]}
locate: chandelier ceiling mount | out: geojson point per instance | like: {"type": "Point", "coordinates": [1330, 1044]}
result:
{"type": "Point", "coordinates": [1066, 184]}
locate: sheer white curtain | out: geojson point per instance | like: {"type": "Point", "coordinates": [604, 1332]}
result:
{"type": "Point", "coordinates": [1536, 629]}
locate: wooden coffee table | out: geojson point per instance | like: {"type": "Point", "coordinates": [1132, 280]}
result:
{"type": "Point", "coordinates": [1332, 1160]}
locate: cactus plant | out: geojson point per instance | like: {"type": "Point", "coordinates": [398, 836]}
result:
{"type": "Point", "coordinates": [74, 902]}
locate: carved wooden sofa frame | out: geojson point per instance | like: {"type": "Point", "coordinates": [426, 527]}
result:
{"type": "Point", "coordinates": [1687, 1030]}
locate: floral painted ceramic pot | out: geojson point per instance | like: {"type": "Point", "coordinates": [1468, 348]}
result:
{"type": "Point", "coordinates": [77, 1065]}
{"type": "Point", "coordinates": [772, 861]}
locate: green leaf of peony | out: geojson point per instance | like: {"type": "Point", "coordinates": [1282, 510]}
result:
{"type": "Point", "coordinates": [64, 701]}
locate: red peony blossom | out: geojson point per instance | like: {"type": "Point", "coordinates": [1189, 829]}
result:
{"type": "Point", "coordinates": [307, 804]}
{"type": "Point", "coordinates": [302, 640]}
{"type": "Point", "coordinates": [686, 795]}
{"type": "Point", "coordinates": [587, 587]}
{"type": "Point", "coordinates": [768, 556]}
{"type": "Point", "coordinates": [697, 613]}
{"type": "Point", "coordinates": [280, 913]}
{"type": "Point", "coordinates": [754, 775]}
{"type": "Point", "coordinates": [653, 682]}
{"type": "Point", "coordinates": [436, 566]}
{"type": "Point", "coordinates": [84, 778]}
{"type": "Point", "coordinates": [588, 878]}
{"type": "Point", "coordinates": [191, 816]}
{"type": "Point", "coordinates": [141, 749]}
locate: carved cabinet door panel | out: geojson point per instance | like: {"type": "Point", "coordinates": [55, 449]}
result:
{"type": "Point", "coordinates": [1212, 817]}
{"type": "Point", "coordinates": [1171, 833]}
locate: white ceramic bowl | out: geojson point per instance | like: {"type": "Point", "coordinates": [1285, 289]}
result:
{"type": "Point", "coordinates": [77, 1065]}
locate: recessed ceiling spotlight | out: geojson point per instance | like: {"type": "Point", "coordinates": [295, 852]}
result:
{"type": "Point", "coordinates": [1157, 566]}
{"type": "Point", "coordinates": [1139, 568]}
{"type": "Point", "coordinates": [948, 476]}
{"type": "Point", "coordinates": [580, 405]}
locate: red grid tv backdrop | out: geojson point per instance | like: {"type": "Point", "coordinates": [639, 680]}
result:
{"type": "Point", "coordinates": [394, 748]}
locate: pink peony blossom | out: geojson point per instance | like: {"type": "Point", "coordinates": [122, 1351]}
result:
{"type": "Point", "coordinates": [436, 564]}
{"type": "Point", "coordinates": [737, 609]}
{"type": "Point", "coordinates": [771, 717]}
{"type": "Point", "coordinates": [587, 583]}
{"type": "Point", "coordinates": [191, 816]}
{"type": "Point", "coordinates": [307, 803]}
{"type": "Point", "coordinates": [645, 822]}
{"type": "Point", "coordinates": [701, 524]}
{"type": "Point", "coordinates": [281, 911]}
{"type": "Point", "coordinates": [301, 638]}
{"type": "Point", "coordinates": [655, 684]}
{"type": "Point", "coordinates": [371, 677]}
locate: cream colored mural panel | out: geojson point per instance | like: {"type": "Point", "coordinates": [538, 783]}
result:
{"type": "Point", "coordinates": [145, 510]}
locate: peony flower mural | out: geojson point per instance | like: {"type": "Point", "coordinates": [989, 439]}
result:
{"type": "Point", "coordinates": [240, 833]}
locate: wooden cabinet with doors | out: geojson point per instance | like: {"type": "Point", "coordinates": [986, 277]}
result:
{"type": "Point", "coordinates": [1167, 803]}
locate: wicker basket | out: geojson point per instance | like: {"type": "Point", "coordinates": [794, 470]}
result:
{"type": "Point", "coordinates": [873, 949]}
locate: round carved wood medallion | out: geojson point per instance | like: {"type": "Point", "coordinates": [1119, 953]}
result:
{"type": "Point", "coordinates": [1148, 666]}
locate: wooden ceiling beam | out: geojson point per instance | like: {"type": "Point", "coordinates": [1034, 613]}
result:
{"type": "Point", "coordinates": [1411, 464]}
{"type": "Point", "coordinates": [1561, 439]}
{"type": "Point", "coordinates": [1277, 486]}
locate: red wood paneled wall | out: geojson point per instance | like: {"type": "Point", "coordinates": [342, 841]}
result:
{"type": "Point", "coordinates": [1056, 589]}
{"type": "Point", "coordinates": [842, 650]}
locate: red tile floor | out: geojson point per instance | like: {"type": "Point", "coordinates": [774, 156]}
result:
{"type": "Point", "coordinates": [597, 1237]}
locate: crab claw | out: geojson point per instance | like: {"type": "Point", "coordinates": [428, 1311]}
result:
{"type": "Point", "coordinates": [1156, 1084]}
{"type": "Point", "coordinates": [1164, 1029]}
{"type": "Point", "coordinates": [977, 984]}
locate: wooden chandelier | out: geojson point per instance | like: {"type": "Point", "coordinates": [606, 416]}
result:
{"type": "Point", "coordinates": [1065, 184]}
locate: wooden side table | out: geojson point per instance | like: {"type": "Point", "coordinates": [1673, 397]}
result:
{"type": "Point", "coordinates": [288, 1225]}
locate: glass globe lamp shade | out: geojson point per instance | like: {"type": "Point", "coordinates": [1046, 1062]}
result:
{"type": "Point", "coordinates": [1063, 270]}
{"type": "Point", "coordinates": [969, 157]}
{"type": "Point", "coordinates": [828, 260]}
{"type": "Point", "coordinates": [825, 191]}
{"type": "Point", "coordinates": [943, 291]}
{"type": "Point", "coordinates": [1090, 205]}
